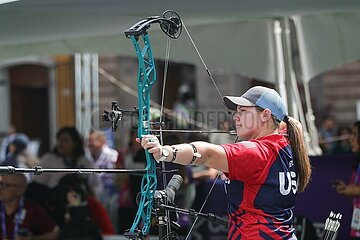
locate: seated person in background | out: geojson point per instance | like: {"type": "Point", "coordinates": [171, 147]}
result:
{"type": "Point", "coordinates": [343, 145]}
{"type": "Point", "coordinates": [18, 157]}
{"type": "Point", "coordinates": [104, 157]}
{"type": "Point", "coordinates": [352, 189]}
{"type": "Point", "coordinates": [11, 135]}
{"type": "Point", "coordinates": [82, 209]}
{"type": "Point", "coordinates": [223, 138]}
{"type": "Point", "coordinates": [21, 218]}
{"type": "Point", "coordinates": [326, 134]}
{"type": "Point", "coordinates": [68, 153]}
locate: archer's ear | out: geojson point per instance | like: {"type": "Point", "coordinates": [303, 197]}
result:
{"type": "Point", "coordinates": [266, 115]}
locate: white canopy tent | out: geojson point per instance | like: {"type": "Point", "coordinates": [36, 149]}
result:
{"type": "Point", "coordinates": [236, 36]}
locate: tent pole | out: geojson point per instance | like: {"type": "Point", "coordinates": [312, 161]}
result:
{"type": "Point", "coordinates": [279, 61]}
{"type": "Point", "coordinates": [310, 117]}
{"type": "Point", "coordinates": [294, 101]}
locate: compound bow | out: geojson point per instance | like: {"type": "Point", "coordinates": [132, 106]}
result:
{"type": "Point", "coordinates": [171, 25]}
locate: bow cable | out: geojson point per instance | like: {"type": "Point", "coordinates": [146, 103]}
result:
{"type": "Point", "coordinates": [166, 67]}
{"type": "Point", "coordinates": [203, 62]}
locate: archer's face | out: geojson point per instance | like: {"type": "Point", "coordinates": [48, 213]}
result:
{"type": "Point", "coordinates": [247, 122]}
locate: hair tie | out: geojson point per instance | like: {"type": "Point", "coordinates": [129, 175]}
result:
{"type": "Point", "coordinates": [286, 118]}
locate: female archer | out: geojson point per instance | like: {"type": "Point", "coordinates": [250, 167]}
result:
{"type": "Point", "coordinates": [265, 170]}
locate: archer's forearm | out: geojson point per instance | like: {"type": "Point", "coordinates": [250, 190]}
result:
{"type": "Point", "coordinates": [198, 153]}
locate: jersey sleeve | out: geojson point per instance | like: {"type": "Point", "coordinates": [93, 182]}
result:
{"type": "Point", "coordinates": [247, 160]}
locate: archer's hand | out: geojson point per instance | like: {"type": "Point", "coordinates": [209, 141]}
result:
{"type": "Point", "coordinates": [152, 144]}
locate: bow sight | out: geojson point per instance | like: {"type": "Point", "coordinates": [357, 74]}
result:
{"type": "Point", "coordinates": [116, 114]}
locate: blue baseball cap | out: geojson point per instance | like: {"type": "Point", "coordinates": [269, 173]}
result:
{"type": "Point", "coordinates": [262, 97]}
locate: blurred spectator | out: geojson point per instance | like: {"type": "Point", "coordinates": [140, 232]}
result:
{"type": "Point", "coordinates": [18, 157]}
{"type": "Point", "coordinates": [12, 135]}
{"type": "Point", "coordinates": [84, 216]}
{"type": "Point", "coordinates": [127, 190]}
{"type": "Point", "coordinates": [352, 190]}
{"type": "Point", "coordinates": [43, 195]}
{"type": "Point", "coordinates": [139, 159]}
{"type": "Point", "coordinates": [105, 158]}
{"type": "Point", "coordinates": [326, 134]}
{"type": "Point", "coordinates": [124, 196]}
{"type": "Point", "coordinates": [110, 137]}
{"type": "Point", "coordinates": [343, 144]}
{"type": "Point", "coordinates": [223, 138]}
{"type": "Point", "coordinates": [21, 218]}
{"type": "Point", "coordinates": [102, 156]}
{"type": "Point", "coordinates": [68, 153]}
{"type": "Point", "coordinates": [185, 106]}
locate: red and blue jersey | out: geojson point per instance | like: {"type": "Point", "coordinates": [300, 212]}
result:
{"type": "Point", "coordinates": [261, 189]}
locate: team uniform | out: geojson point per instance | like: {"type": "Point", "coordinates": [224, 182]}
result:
{"type": "Point", "coordinates": [261, 189]}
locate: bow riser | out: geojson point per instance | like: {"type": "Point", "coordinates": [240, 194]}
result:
{"type": "Point", "coordinates": [146, 79]}
{"type": "Point", "coordinates": [170, 23]}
